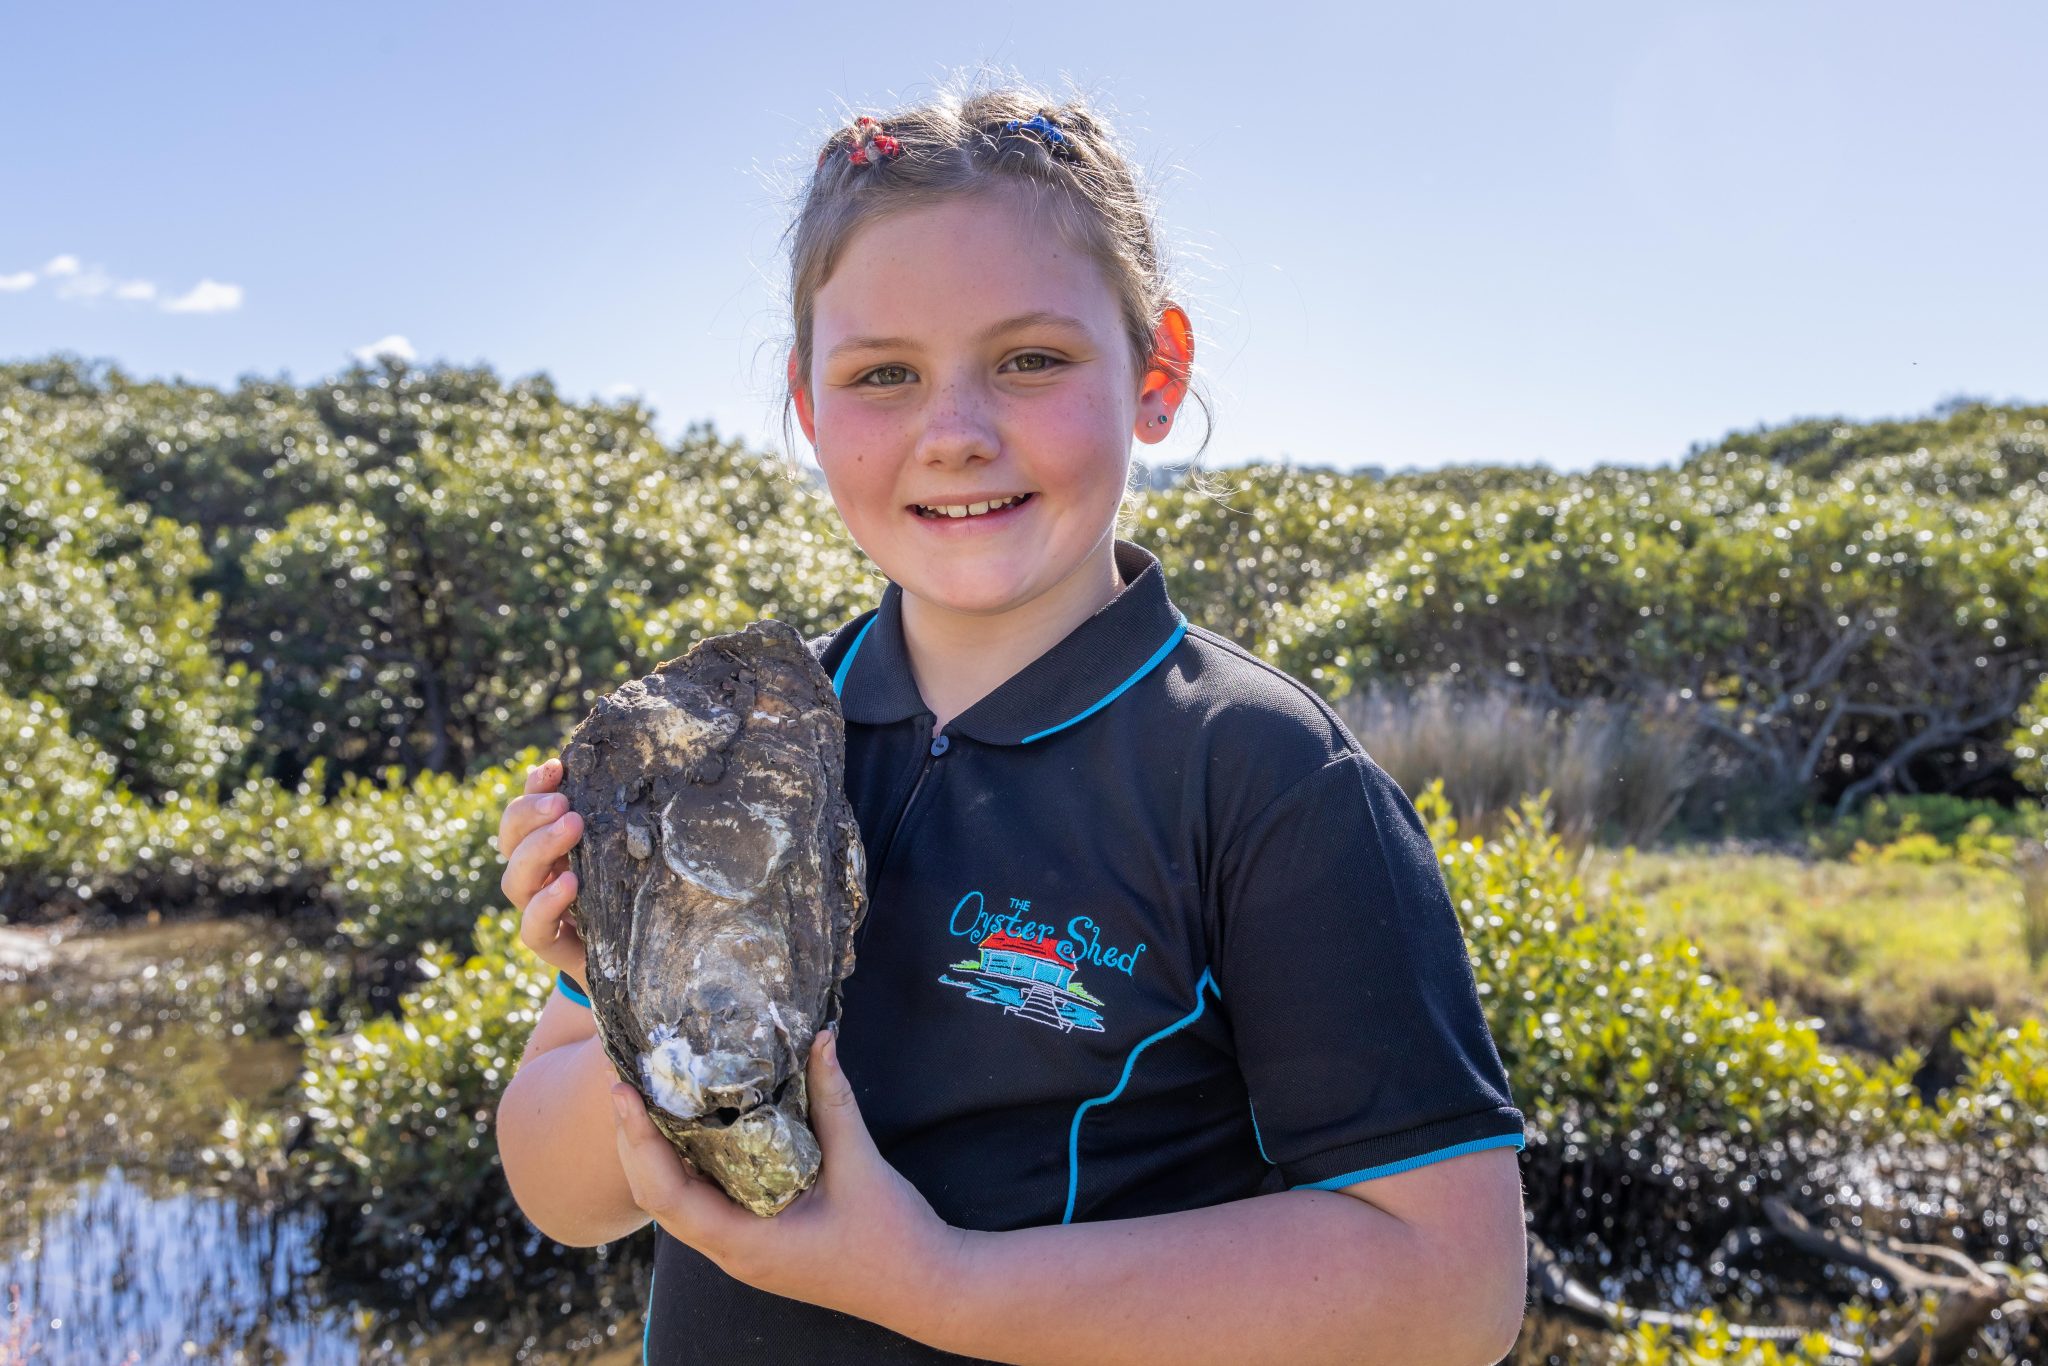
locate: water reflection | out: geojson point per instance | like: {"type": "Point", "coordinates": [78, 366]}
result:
{"type": "Point", "coordinates": [116, 1272]}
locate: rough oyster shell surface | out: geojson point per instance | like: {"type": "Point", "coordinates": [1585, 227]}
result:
{"type": "Point", "coordinates": [719, 882]}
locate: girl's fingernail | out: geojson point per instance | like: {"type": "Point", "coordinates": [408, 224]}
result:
{"type": "Point", "coordinates": [550, 806]}
{"type": "Point", "coordinates": [620, 1108]}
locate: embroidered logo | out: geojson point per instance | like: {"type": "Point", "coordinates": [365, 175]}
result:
{"type": "Point", "coordinates": [1027, 967]}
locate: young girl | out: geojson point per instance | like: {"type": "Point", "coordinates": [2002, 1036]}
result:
{"type": "Point", "coordinates": [1162, 1044]}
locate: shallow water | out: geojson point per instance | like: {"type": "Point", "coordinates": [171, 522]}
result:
{"type": "Point", "coordinates": [122, 1052]}
{"type": "Point", "coordinates": [115, 1272]}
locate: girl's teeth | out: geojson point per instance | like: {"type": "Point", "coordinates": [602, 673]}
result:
{"type": "Point", "coordinates": [971, 509]}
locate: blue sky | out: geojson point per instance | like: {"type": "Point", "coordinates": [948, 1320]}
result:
{"type": "Point", "coordinates": [1410, 235]}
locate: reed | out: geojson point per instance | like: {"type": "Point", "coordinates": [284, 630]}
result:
{"type": "Point", "coordinates": [1614, 772]}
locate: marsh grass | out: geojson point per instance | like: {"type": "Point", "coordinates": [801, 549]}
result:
{"type": "Point", "coordinates": [1614, 773]}
{"type": "Point", "coordinates": [1888, 953]}
{"type": "Point", "coordinates": [2030, 866]}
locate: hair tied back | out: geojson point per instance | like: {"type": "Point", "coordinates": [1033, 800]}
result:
{"type": "Point", "coordinates": [1056, 142]}
{"type": "Point", "coordinates": [881, 144]}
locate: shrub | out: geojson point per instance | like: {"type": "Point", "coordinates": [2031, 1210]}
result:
{"type": "Point", "coordinates": [97, 607]}
{"type": "Point", "coordinates": [2029, 740]}
{"type": "Point", "coordinates": [417, 863]}
{"type": "Point", "coordinates": [399, 1113]}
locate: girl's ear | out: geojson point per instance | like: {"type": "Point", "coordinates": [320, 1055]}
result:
{"type": "Point", "coordinates": [1166, 374]}
{"type": "Point", "coordinates": [802, 400]}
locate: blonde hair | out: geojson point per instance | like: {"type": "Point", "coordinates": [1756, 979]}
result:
{"type": "Point", "coordinates": [960, 145]}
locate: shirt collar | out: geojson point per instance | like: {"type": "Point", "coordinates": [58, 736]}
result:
{"type": "Point", "coordinates": [1087, 670]}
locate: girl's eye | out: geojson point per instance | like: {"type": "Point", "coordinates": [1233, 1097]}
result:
{"type": "Point", "coordinates": [871, 380]}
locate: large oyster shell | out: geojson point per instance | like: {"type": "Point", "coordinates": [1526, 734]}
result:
{"type": "Point", "coordinates": [718, 887]}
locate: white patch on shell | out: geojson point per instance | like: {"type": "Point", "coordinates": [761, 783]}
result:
{"type": "Point", "coordinates": [676, 730]}
{"type": "Point", "coordinates": [780, 1027]}
{"type": "Point", "coordinates": [673, 1074]}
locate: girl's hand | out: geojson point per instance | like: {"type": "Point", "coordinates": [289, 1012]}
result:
{"type": "Point", "coordinates": [862, 1240]}
{"type": "Point", "coordinates": [534, 837]}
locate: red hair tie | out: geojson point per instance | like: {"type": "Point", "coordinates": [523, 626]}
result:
{"type": "Point", "coordinates": [886, 147]}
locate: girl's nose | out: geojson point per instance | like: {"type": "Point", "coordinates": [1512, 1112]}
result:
{"type": "Point", "coordinates": [959, 426]}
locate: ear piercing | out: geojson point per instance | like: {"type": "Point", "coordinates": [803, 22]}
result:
{"type": "Point", "coordinates": [1161, 419]}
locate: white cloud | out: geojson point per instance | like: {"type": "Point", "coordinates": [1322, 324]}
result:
{"type": "Point", "coordinates": [81, 284]}
{"type": "Point", "coordinates": [622, 390]}
{"type": "Point", "coordinates": [208, 296]}
{"type": "Point", "coordinates": [76, 281]}
{"type": "Point", "coordinates": [393, 345]}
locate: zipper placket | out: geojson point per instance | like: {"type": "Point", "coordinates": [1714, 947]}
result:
{"type": "Point", "coordinates": [934, 747]}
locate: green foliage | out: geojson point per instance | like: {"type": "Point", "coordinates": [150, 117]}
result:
{"type": "Point", "coordinates": [64, 813]}
{"type": "Point", "coordinates": [1952, 822]}
{"type": "Point", "coordinates": [2029, 740]}
{"type": "Point", "coordinates": [1818, 447]}
{"type": "Point", "coordinates": [97, 607]}
{"type": "Point", "coordinates": [1891, 954]}
{"type": "Point", "coordinates": [418, 862]}
{"type": "Point", "coordinates": [400, 1111]}
{"type": "Point", "coordinates": [2003, 1090]}
{"type": "Point", "coordinates": [1615, 1038]}
{"type": "Point", "coordinates": [431, 567]}
{"type": "Point", "coordinates": [1820, 634]}
{"type": "Point", "coordinates": [1717, 1342]}
{"type": "Point", "coordinates": [1929, 829]}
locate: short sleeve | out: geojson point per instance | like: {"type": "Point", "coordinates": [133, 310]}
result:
{"type": "Point", "coordinates": [1344, 974]}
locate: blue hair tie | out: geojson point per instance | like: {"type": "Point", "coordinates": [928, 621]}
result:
{"type": "Point", "coordinates": [1044, 127]}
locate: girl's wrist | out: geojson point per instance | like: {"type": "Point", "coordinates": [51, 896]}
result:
{"type": "Point", "coordinates": [921, 1301]}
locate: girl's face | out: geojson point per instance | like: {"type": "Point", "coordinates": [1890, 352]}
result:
{"type": "Point", "coordinates": [964, 354]}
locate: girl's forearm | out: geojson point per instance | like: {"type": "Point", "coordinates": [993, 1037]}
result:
{"type": "Point", "coordinates": [557, 1140]}
{"type": "Point", "coordinates": [1298, 1276]}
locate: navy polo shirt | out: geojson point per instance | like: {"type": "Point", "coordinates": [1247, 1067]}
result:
{"type": "Point", "coordinates": [1147, 930]}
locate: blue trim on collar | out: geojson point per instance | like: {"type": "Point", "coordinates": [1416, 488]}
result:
{"type": "Point", "coordinates": [1117, 691]}
{"type": "Point", "coordinates": [1410, 1163]}
{"type": "Point", "coordinates": [1074, 1134]}
{"type": "Point", "coordinates": [1079, 675]}
{"type": "Point", "coordinates": [839, 678]}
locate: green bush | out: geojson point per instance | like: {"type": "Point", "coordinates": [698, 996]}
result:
{"type": "Point", "coordinates": [2003, 1090]}
{"type": "Point", "coordinates": [428, 567]}
{"type": "Point", "coordinates": [2029, 740]}
{"type": "Point", "coordinates": [399, 1111]}
{"type": "Point", "coordinates": [417, 863]}
{"type": "Point", "coordinates": [1931, 828]}
{"type": "Point", "coordinates": [1616, 1040]}
{"type": "Point", "coordinates": [97, 607]}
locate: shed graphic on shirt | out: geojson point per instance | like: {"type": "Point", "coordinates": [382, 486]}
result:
{"type": "Point", "coordinates": [1027, 977]}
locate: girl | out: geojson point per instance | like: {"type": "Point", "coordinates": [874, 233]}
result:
{"type": "Point", "coordinates": [1163, 1043]}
